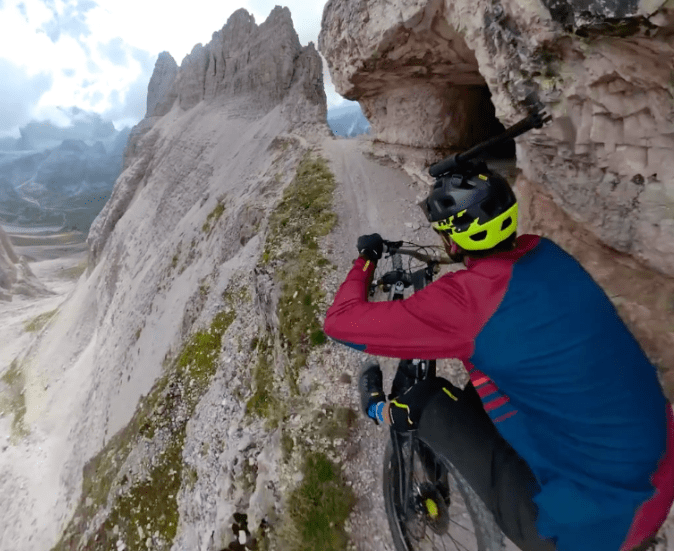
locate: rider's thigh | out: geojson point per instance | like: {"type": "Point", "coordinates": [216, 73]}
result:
{"type": "Point", "coordinates": [462, 432]}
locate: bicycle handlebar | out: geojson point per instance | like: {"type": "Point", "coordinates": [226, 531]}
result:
{"type": "Point", "coordinates": [395, 247]}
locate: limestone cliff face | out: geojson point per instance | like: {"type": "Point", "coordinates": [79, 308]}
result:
{"type": "Point", "coordinates": [160, 93]}
{"type": "Point", "coordinates": [428, 71]}
{"type": "Point", "coordinates": [265, 65]}
{"type": "Point", "coordinates": [174, 253]}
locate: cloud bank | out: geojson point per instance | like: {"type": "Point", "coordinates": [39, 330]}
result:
{"type": "Point", "coordinates": [19, 92]}
{"type": "Point", "coordinates": [99, 55]}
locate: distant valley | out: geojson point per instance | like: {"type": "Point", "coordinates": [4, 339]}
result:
{"type": "Point", "coordinates": [348, 120]}
{"type": "Point", "coordinates": [59, 178]}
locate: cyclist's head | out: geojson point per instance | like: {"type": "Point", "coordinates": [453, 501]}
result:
{"type": "Point", "coordinates": [475, 213]}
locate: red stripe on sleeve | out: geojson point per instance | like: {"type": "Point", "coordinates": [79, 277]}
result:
{"type": "Point", "coordinates": [487, 390]}
{"type": "Point", "coordinates": [496, 403]}
{"type": "Point", "coordinates": [480, 381]}
{"type": "Point", "coordinates": [505, 416]}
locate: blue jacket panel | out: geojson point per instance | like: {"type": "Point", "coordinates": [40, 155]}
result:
{"type": "Point", "coordinates": [556, 347]}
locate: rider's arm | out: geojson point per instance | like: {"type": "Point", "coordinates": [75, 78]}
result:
{"type": "Point", "coordinates": [440, 321]}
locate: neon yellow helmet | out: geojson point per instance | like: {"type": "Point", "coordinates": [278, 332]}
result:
{"type": "Point", "coordinates": [478, 210]}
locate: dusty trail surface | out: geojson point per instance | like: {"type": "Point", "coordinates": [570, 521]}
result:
{"type": "Point", "coordinates": [369, 198]}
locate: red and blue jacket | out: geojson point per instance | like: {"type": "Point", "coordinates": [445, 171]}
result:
{"type": "Point", "coordinates": [559, 373]}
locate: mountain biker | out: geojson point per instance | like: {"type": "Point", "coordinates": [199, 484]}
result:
{"type": "Point", "coordinates": [563, 430]}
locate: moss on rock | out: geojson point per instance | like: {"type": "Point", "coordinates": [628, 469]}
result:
{"type": "Point", "coordinates": [13, 400]}
{"type": "Point", "coordinates": [38, 322]}
{"type": "Point", "coordinates": [302, 217]}
{"type": "Point", "coordinates": [318, 508]}
{"type": "Point", "coordinates": [145, 507]}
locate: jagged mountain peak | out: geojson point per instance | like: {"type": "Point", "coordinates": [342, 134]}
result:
{"type": "Point", "coordinates": [243, 58]}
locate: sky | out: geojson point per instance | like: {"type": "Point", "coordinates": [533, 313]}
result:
{"type": "Point", "coordinates": [98, 55]}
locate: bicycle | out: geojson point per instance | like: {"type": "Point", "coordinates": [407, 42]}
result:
{"type": "Point", "coordinates": [426, 498]}
{"type": "Point", "coordinates": [422, 492]}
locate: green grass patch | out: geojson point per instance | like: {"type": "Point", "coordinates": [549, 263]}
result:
{"type": "Point", "coordinates": [13, 400]}
{"type": "Point", "coordinates": [319, 507]}
{"type": "Point", "coordinates": [148, 502]}
{"type": "Point", "coordinates": [264, 402]}
{"type": "Point", "coordinates": [213, 217]}
{"type": "Point", "coordinates": [302, 217]}
{"type": "Point", "coordinates": [38, 322]}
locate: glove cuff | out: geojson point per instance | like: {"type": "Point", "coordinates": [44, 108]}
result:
{"type": "Point", "coordinates": [368, 255]}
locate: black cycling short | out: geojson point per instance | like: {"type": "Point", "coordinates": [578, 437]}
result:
{"type": "Point", "coordinates": [462, 432]}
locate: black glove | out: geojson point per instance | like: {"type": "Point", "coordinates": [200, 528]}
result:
{"type": "Point", "coordinates": [371, 246]}
{"type": "Point", "coordinates": [407, 408]}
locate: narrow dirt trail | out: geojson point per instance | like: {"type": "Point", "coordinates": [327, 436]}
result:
{"type": "Point", "coordinates": [369, 198]}
{"type": "Point", "coordinates": [372, 198]}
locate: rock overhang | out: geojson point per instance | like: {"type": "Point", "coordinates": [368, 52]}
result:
{"type": "Point", "coordinates": [427, 72]}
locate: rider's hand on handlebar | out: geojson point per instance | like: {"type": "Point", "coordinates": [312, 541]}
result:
{"type": "Point", "coordinates": [371, 246]}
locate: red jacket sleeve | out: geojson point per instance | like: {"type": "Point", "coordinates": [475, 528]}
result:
{"type": "Point", "coordinates": [440, 321]}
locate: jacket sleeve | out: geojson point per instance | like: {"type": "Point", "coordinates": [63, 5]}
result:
{"type": "Point", "coordinates": [436, 322]}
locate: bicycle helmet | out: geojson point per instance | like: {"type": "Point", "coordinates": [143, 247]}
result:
{"type": "Point", "coordinates": [477, 208]}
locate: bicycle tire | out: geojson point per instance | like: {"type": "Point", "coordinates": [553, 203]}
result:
{"type": "Point", "coordinates": [487, 535]}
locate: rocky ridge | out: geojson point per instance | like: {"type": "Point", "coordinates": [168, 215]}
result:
{"type": "Point", "coordinates": [237, 63]}
{"type": "Point", "coordinates": [141, 383]}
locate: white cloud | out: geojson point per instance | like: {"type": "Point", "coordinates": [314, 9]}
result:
{"type": "Point", "coordinates": [87, 50]}
{"type": "Point", "coordinates": [19, 91]}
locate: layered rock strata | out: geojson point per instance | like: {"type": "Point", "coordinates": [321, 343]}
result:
{"type": "Point", "coordinates": [604, 71]}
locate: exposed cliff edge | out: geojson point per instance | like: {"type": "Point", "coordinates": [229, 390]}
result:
{"type": "Point", "coordinates": [139, 356]}
{"type": "Point", "coordinates": [598, 180]}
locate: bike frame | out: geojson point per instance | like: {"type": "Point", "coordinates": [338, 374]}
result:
{"type": "Point", "coordinates": [398, 279]}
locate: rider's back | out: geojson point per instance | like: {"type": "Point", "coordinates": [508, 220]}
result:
{"type": "Point", "coordinates": [590, 414]}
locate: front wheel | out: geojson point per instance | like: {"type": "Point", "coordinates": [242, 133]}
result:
{"type": "Point", "coordinates": [441, 511]}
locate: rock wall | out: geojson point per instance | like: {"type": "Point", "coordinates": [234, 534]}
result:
{"type": "Point", "coordinates": [263, 65]}
{"type": "Point", "coordinates": [173, 264]}
{"type": "Point", "coordinates": [604, 70]}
